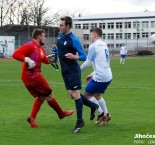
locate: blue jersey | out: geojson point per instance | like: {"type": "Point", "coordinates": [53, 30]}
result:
{"type": "Point", "coordinates": [69, 43]}
{"type": "Point", "coordinates": [55, 50]}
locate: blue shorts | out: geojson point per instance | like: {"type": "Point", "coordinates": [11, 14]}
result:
{"type": "Point", "coordinates": [94, 87]}
{"type": "Point", "coordinates": [72, 81]}
{"type": "Point", "coordinates": [122, 56]}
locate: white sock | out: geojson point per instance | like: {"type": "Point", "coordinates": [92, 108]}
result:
{"type": "Point", "coordinates": [99, 110]}
{"type": "Point", "coordinates": [102, 104]}
{"type": "Point", "coordinates": [123, 61]}
{"type": "Point", "coordinates": [120, 60]}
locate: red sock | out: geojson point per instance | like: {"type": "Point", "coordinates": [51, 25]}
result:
{"type": "Point", "coordinates": [36, 107]}
{"type": "Point", "coordinates": [54, 104]}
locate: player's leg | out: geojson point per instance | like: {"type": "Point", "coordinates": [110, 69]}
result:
{"type": "Point", "coordinates": [75, 94]}
{"type": "Point", "coordinates": [35, 110]}
{"type": "Point", "coordinates": [94, 106]}
{"type": "Point", "coordinates": [102, 102]}
{"type": "Point", "coordinates": [90, 89]}
{"type": "Point", "coordinates": [53, 64]}
{"type": "Point", "coordinates": [57, 67]}
{"type": "Point", "coordinates": [32, 88]}
{"type": "Point", "coordinates": [121, 59]}
{"type": "Point", "coordinates": [73, 85]}
{"type": "Point", "coordinates": [99, 110]}
{"type": "Point", "coordinates": [46, 92]}
{"type": "Point", "coordinates": [52, 102]}
{"type": "Point", "coordinates": [56, 63]}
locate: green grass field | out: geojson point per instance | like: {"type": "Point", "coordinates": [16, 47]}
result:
{"type": "Point", "coordinates": [130, 99]}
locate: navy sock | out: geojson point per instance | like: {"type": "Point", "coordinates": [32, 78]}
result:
{"type": "Point", "coordinates": [86, 101]}
{"type": "Point", "coordinates": [53, 66]}
{"type": "Point", "coordinates": [79, 108]}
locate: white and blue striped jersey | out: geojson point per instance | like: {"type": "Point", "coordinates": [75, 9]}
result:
{"type": "Point", "coordinates": [98, 53]}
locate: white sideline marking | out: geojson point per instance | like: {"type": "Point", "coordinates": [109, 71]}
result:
{"type": "Point", "coordinates": [58, 83]}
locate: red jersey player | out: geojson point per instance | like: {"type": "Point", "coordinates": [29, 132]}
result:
{"type": "Point", "coordinates": [32, 55]}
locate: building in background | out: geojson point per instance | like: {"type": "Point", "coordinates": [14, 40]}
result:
{"type": "Point", "coordinates": [23, 33]}
{"type": "Point", "coordinates": [7, 46]}
{"type": "Point", "coordinates": [132, 28]}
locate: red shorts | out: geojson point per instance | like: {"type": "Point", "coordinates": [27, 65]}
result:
{"type": "Point", "coordinates": [38, 86]}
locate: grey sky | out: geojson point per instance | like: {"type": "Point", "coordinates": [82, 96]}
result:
{"type": "Point", "coordinates": [103, 6]}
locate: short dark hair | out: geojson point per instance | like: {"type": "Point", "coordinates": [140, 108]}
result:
{"type": "Point", "coordinates": [97, 30]}
{"type": "Point", "coordinates": [36, 32]}
{"type": "Point", "coordinates": [68, 20]}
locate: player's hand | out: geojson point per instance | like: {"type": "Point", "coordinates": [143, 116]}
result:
{"type": "Point", "coordinates": [88, 78]}
{"type": "Point", "coordinates": [71, 56]}
{"type": "Point", "coordinates": [30, 62]}
{"type": "Point", "coordinates": [51, 58]}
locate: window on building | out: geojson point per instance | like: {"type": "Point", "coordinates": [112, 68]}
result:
{"type": "Point", "coordinates": [145, 24]}
{"type": "Point", "coordinates": [110, 25]}
{"type": "Point", "coordinates": [136, 24]}
{"type": "Point", "coordinates": [152, 33]}
{"type": "Point", "coordinates": [103, 36]}
{"type": "Point", "coordinates": [136, 35]}
{"type": "Point", "coordinates": [86, 36]}
{"type": "Point", "coordinates": [93, 25]}
{"type": "Point", "coordinates": [102, 25]}
{"type": "Point", "coordinates": [153, 24]}
{"type": "Point", "coordinates": [145, 35]}
{"type": "Point", "coordinates": [110, 36]}
{"type": "Point", "coordinates": [110, 46]}
{"type": "Point", "coordinates": [127, 35]}
{"type": "Point", "coordinates": [127, 24]}
{"type": "Point", "coordinates": [118, 45]}
{"type": "Point", "coordinates": [118, 25]}
{"type": "Point", "coordinates": [118, 35]}
{"type": "Point", "coordinates": [86, 26]}
{"type": "Point", "coordinates": [78, 26]}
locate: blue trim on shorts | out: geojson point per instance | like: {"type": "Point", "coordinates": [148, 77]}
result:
{"type": "Point", "coordinates": [94, 87]}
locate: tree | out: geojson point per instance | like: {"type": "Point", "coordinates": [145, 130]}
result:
{"type": "Point", "coordinates": [66, 12]}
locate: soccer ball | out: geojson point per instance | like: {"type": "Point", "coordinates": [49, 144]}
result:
{"type": "Point", "coordinates": [152, 38]}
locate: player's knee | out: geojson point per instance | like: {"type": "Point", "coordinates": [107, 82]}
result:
{"type": "Point", "coordinates": [72, 95]}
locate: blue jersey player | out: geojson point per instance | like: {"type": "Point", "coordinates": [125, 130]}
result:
{"type": "Point", "coordinates": [69, 51]}
{"type": "Point", "coordinates": [55, 62]}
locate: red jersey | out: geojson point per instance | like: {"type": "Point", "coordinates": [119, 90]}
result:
{"type": "Point", "coordinates": [36, 53]}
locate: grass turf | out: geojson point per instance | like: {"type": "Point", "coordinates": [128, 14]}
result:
{"type": "Point", "coordinates": [130, 100]}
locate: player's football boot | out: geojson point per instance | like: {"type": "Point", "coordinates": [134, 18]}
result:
{"type": "Point", "coordinates": [66, 113]}
{"type": "Point", "coordinates": [32, 122]}
{"type": "Point", "coordinates": [106, 120]}
{"type": "Point", "coordinates": [92, 113]}
{"type": "Point", "coordinates": [100, 118]}
{"type": "Point", "coordinates": [78, 126]}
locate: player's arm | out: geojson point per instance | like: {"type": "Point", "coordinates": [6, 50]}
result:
{"type": "Point", "coordinates": [86, 64]}
{"type": "Point", "coordinates": [126, 50]}
{"type": "Point", "coordinates": [89, 77]}
{"type": "Point", "coordinates": [81, 54]}
{"type": "Point", "coordinates": [21, 53]}
{"type": "Point", "coordinates": [45, 59]}
{"type": "Point", "coordinates": [90, 58]}
{"type": "Point", "coordinates": [49, 59]}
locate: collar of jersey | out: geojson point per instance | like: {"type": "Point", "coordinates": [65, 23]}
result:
{"type": "Point", "coordinates": [65, 35]}
{"type": "Point", "coordinates": [35, 42]}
